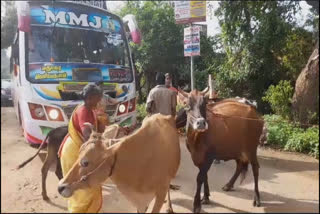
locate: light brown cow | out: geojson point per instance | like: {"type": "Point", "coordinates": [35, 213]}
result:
{"type": "Point", "coordinates": [141, 164]}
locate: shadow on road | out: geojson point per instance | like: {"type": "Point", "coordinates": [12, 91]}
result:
{"type": "Point", "coordinates": [276, 203]}
{"type": "Point", "coordinates": [289, 165]}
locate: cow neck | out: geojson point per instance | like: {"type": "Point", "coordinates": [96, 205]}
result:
{"type": "Point", "coordinates": [192, 135]}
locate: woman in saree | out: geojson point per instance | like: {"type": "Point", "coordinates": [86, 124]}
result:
{"type": "Point", "coordinates": [87, 200]}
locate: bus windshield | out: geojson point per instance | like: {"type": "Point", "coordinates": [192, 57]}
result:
{"type": "Point", "coordinates": [57, 44]}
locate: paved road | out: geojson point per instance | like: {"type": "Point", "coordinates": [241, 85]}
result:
{"type": "Point", "coordinates": [288, 182]}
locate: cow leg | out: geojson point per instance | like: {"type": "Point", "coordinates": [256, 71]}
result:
{"type": "Point", "coordinates": [59, 169]}
{"type": "Point", "coordinates": [160, 197]}
{"type": "Point", "coordinates": [255, 169]}
{"type": "Point", "coordinates": [142, 210]}
{"type": "Point", "coordinates": [202, 178]}
{"type": "Point", "coordinates": [205, 199]}
{"type": "Point", "coordinates": [169, 205]}
{"type": "Point", "coordinates": [50, 159]}
{"type": "Point", "coordinates": [44, 173]}
{"type": "Point", "coordinates": [233, 179]}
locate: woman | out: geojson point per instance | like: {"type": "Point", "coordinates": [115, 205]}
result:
{"type": "Point", "coordinates": [87, 200]}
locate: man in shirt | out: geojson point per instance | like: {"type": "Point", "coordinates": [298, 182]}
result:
{"type": "Point", "coordinates": [161, 99]}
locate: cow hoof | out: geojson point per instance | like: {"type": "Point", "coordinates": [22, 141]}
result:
{"type": "Point", "coordinates": [174, 187]}
{"type": "Point", "coordinates": [45, 197]}
{"type": "Point", "coordinates": [205, 200]}
{"type": "Point", "coordinates": [256, 203]}
{"type": "Point", "coordinates": [196, 210]}
{"type": "Point", "coordinates": [227, 188]}
{"type": "Point", "coordinates": [169, 210]}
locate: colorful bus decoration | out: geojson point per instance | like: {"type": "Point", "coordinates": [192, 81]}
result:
{"type": "Point", "coordinates": [62, 46]}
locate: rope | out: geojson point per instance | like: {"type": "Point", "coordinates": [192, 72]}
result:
{"type": "Point", "coordinates": [261, 120]}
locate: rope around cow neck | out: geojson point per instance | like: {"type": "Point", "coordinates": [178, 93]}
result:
{"type": "Point", "coordinates": [253, 119]}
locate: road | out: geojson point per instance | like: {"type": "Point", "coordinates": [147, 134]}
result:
{"type": "Point", "coordinates": [288, 182]}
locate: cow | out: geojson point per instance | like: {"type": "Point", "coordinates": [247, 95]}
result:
{"type": "Point", "coordinates": [224, 130]}
{"type": "Point", "coordinates": [54, 139]}
{"type": "Point", "coordinates": [141, 165]}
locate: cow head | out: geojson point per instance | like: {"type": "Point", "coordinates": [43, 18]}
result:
{"type": "Point", "coordinates": [93, 166]}
{"type": "Point", "coordinates": [195, 110]}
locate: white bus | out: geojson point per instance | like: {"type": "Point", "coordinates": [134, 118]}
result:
{"type": "Point", "coordinates": [62, 46]}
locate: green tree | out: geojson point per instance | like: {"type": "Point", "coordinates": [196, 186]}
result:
{"type": "Point", "coordinates": [161, 49]}
{"type": "Point", "coordinates": [9, 23]}
{"type": "Point", "coordinates": [259, 40]}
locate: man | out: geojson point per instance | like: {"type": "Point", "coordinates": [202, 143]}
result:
{"type": "Point", "coordinates": [161, 99]}
{"type": "Point", "coordinates": [169, 83]}
{"type": "Point", "coordinates": [164, 101]}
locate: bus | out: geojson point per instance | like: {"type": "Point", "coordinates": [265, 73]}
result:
{"type": "Point", "coordinates": [60, 46]}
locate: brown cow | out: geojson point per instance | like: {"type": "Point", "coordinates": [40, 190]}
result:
{"type": "Point", "coordinates": [141, 164]}
{"type": "Point", "coordinates": [225, 130]}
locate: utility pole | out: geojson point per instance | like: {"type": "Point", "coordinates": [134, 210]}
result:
{"type": "Point", "coordinates": [192, 79]}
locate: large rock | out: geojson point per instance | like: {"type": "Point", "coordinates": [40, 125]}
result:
{"type": "Point", "coordinates": [306, 96]}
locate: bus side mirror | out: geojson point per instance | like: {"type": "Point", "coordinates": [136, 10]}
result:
{"type": "Point", "coordinates": [15, 51]}
{"type": "Point", "coordinates": [132, 28]}
{"type": "Point", "coordinates": [23, 11]}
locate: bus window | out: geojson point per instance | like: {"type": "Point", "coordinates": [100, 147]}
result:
{"type": "Point", "coordinates": [76, 45]}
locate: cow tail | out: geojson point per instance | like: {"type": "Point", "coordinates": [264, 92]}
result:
{"type": "Point", "coordinates": [30, 159]}
{"type": "Point", "coordinates": [244, 172]}
{"type": "Point", "coordinates": [264, 135]}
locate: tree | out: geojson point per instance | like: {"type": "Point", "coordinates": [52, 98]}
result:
{"type": "Point", "coordinates": [9, 23]}
{"type": "Point", "coordinates": [259, 40]}
{"type": "Point", "coordinates": [161, 49]}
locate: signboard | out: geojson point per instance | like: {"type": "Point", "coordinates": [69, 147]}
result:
{"type": "Point", "coordinates": [190, 11]}
{"type": "Point", "coordinates": [192, 41]}
{"type": "Point", "coordinates": [72, 16]}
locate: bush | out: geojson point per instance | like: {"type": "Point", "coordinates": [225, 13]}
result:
{"type": "Point", "coordinates": [279, 97]}
{"type": "Point", "coordinates": [141, 112]}
{"type": "Point", "coordinates": [289, 136]}
{"type": "Point", "coordinates": [306, 142]}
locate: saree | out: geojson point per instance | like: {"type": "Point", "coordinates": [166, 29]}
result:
{"type": "Point", "coordinates": [87, 200]}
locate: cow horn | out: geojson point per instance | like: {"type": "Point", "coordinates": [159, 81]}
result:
{"type": "Point", "coordinates": [185, 94]}
{"type": "Point", "coordinates": [204, 91]}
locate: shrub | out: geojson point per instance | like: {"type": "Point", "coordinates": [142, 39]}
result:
{"type": "Point", "coordinates": [141, 112]}
{"type": "Point", "coordinates": [306, 142]}
{"type": "Point", "coordinates": [279, 98]}
{"type": "Point", "coordinates": [289, 136]}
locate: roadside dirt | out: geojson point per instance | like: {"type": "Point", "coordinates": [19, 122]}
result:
{"type": "Point", "coordinates": [288, 182]}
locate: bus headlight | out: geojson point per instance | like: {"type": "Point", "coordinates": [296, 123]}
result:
{"type": "Point", "coordinates": [122, 108]}
{"type": "Point", "coordinates": [53, 114]}
{"type": "Point", "coordinates": [39, 112]}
